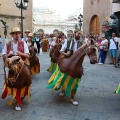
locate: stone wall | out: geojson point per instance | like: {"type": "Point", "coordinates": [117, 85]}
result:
{"type": "Point", "coordinates": [101, 8]}
{"type": "Point", "coordinates": [11, 14]}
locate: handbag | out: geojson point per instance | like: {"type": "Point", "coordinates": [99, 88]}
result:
{"type": "Point", "coordinates": [105, 48]}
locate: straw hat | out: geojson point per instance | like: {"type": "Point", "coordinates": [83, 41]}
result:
{"type": "Point", "coordinates": [11, 31]}
{"type": "Point", "coordinates": [30, 35]}
{"type": "Point", "coordinates": [15, 29]}
{"type": "Point", "coordinates": [27, 31]}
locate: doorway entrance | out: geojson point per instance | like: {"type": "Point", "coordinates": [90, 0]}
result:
{"type": "Point", "coordinates": [95, 25]}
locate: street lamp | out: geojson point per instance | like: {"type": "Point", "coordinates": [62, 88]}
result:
{"type": "Point", "coordinates": [80, 20]}
{"type": "Point", "coordinates": [22, 7]}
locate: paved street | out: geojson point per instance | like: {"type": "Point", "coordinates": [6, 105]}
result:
{"type": "Point", "coordinates": [96, 97]}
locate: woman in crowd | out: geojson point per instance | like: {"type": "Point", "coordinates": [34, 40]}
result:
{"type": "Point", "coordinates": [103, 49]}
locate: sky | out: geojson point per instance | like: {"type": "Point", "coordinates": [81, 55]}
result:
{"type": "Point", "coordinates": [60, 7]}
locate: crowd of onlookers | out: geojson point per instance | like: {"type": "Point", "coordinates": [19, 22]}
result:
{"type": "Point", "coordinates": [104, 45]}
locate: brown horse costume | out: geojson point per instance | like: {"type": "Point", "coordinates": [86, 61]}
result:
{"type": "Point", "coordinates": [34, 61]}
{"type": "Point", "coordinates": [73, 65]}
{"type": "Point", "coordinates": [17, 79]}
{"type": "Point", "coordinates": [54, 54]}
{"type": "Point", "coordinates": [70, 69]}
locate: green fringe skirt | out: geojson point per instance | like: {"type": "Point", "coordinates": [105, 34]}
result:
{"type": "Point", "coordinates": [52, 67]}
{"type": "Point", "coordinates": [118, 89]}
{"type": "Point", "coordinates": [63, 81]}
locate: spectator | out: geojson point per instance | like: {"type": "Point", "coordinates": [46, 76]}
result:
{"type": "Point", "coordinates": [103, 49]}
{"type": "Point", "coordinates": [113, 48]}
{"type": "Point", "coordinates": [86, 39]}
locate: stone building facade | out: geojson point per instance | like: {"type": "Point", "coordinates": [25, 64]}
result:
{"type": "Point", "coordinates": [95, 14]}
{"type": "Point", "coordinates": [12, 16]}
{"type": "Point", "coordinates": [45, 19]}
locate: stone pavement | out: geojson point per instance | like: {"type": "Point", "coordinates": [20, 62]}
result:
{"type": "Point", "coordinates": [96, 97]}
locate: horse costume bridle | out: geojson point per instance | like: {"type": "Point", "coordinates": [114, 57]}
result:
{"type": "Point", "coordinates": [15, 77]}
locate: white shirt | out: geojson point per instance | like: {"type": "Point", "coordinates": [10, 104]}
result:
{"type": "Point", "coordinates": [64, 46]}
{"type": "Point", "coordinates": [112, 43]}
{"type": "Point", "coordinates": [37, 39]}
{"type": "Point", "coordinates": [86, 39]}
{"type": "Point", "coordinates": [102, 43]}
{"type": "Point", "coordinates": [29, 44]}
{"type": "Point", "coordinates": [14, 47]}
{"type": "Point", "coordinates": [51, 42]}
{"type": "Point", "coordinates": [25, 39]}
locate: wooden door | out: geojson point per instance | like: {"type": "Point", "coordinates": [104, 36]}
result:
{"type": "Point", "coordinates": [95, 25]}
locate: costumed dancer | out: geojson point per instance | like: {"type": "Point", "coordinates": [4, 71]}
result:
{"type": "Point", "coordinates": [60, 39]}
{"type": "Point", "coordinates": [44, 44]}
{"type": "Point", "coordinates": [34, 60]}
{"type": "Point", "coordinates": [18, 49]}
{"type": "Point", "coordinates": [118, 89]}
{"type": "Point", "coordinates": [61, 80]}
{"type": "Point", "coordinates": [70, 34]}
{"type": "Point", "coordinates": [38, 42]}
{"type": "Point", "coordinates": [26, 35]}
{"type": "Point", "coordinates": [51, 41]}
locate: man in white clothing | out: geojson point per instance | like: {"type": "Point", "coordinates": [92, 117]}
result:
{"type": "Point", "coordinates": [113, 48]}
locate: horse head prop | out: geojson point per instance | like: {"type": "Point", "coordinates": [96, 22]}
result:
{"type": "Point", "coordinates": [33, 58]}
{"type": "Point", "coordinates": [17, 75]}
{"type": "Point", "coordinates": [55, 52]}
{"type": "Point", "coordinates": [72, 65]}
{"type": "Point", "coordinates": [32, 50]}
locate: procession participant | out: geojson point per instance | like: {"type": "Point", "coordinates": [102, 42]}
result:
{"type": "Point", "coordinates": [34, 60]}
{"type": "Point", "coordinates": [45, 43]}
{"type": "Point", "coordinates": [60, 38]}
{"type": "Point", "coordinates": [26, 35]}
{"type": "Point", "coordinates": [30, 41]}
{"type": "Point", "coordinates": [70, 34]}
{"type": "Point", "coordinates": [54, 52]}
{"type": "Point", "coordinates": [51, 41]}
{"type": "Point", "coordinates": [38, 41]}
{"type": "Point", "coordinates": [18, 49]}
{"type": "Point", "coordinates": [68, 48]}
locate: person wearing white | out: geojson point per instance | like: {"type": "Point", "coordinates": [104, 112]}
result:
{"type": "Point", "coordinates": [113, 48]}
{"type": "Point", "coordinates": [51, 41]}
{"type": "Point", "coordinates": [86, 39]}
{"type": "Point", "coordinates": [38, 41]}
{"type": "Point", "coordinates": [64, 46]}
{"type": "Point", "coordinates": [103, 49]}
{"type": "Point", "coordinates": [72, 45]}
{"type": "Point", "coordinates": [26, 35]}
{"type": "Point", "coordinates": [15, 49]}
{"type": "Point", "coordinates": [30, 42]}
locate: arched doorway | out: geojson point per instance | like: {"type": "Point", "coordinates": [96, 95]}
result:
{"type": "Point", "coordinates": [95, 25]}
